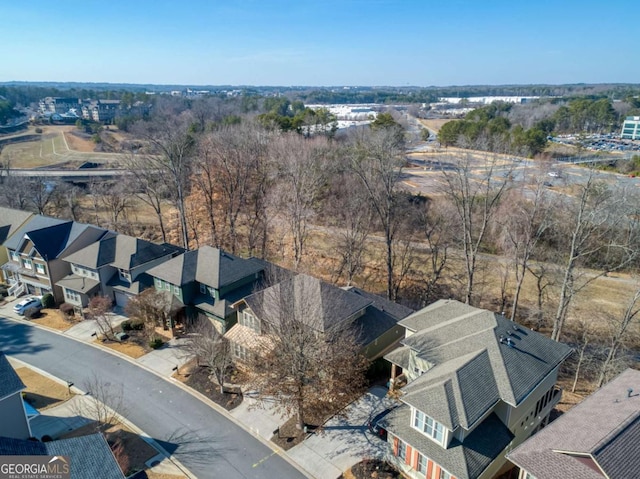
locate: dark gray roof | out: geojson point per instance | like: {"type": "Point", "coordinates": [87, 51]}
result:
{"type": "Point", "coordinates": [318, 304]}
{"type": "Point", "coordinates": [10, 221]}
{"type": "Point", "coordinates": [379, 317]}
{"type": "Point", "coordinates": [49, 236]}
{"type": "Point", "coordinates": [35, 223]}
{"type": "Point", "coordinates": [467, 351]}
{"type": "Point", "coordinates": [89, 456]}
{"type": "Point", "coordinates": [605, 426]}
{"type": "Point", "coordinates": [10, 382]}
{"type": "Point", "coordinates": [463, 460]}
{"type": "Point", "coordinates": [121, 251]}
{"type": "Point", "coordinates": [207, 265]}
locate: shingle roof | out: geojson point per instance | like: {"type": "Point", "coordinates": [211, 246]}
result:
{"type": "Point", "coordinates": [464, 343]}
{"type": "Point", "coordinates": [207, 265]}
{"type": "Point", "coordinates": [463, 460]}
{"type": "Point", "coordinates": [50, 237]}
{"type": "Point", "coordinates": [77, 283]}
{"type": "Point", "coordinates": [10, 382]}
{"type": "Point", "coordinates": [35, 223]}
{"type": "Point", "coordinates": [121, 251]}
{"type": "Point", "coordinates": [89, 456]}
{"type": "Point", "coordinates": [605, 426]}
{"type": "Point", "coordinates": [379, 317]}
{"type": "Point", "coordinates": [10, 221]}
{"type": "Point", "coordinates": [319, 304]}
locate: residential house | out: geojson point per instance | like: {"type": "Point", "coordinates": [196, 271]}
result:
{"type": "Point", "coordinates": [321, 306]}
{"type": "Point", "coordinates": [35, 251]}
{"type": "Point", "coordinates": [598, 438]}
{"type": "Point", "coordinates": [113, 267]}
{"type": "Point", "coordinates": [10, 221]}
{"type": "Point", "coordinates": [207, 281]}
{"type": "Point", "coordinates": [86, 456]}
{"type": "Point", "coordinates": [477, 385]}
{"type": "Point", "coordinates": [13, 417]}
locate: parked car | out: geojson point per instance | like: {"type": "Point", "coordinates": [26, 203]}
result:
{"type": "Point", "coordinates": [27, 303]}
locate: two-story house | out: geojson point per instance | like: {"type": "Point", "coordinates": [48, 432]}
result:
{"type": "Point", "coordinates": [113, 267]}
{"type": "Point", "coordinates": [13, 417]}
{"type": "Point", "coordinates": [35, 252]}
{"type": "Point", "coordinates": [320, 306]}
{"type": "Point", "coordinates": [10, 221]}
{"type": "Point", "coordinates": [477, 385]}
{"type": "Point", "coordinates": [207, 281]}
{"type": "Point", "coordinates": [599, 438]}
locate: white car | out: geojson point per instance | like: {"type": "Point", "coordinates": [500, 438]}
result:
{"type": "Point", "coordinates": [27, 303]}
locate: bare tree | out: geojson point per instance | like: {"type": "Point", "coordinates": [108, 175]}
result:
{"type": "Point", "coordinates": [300, 163]}
{"type": "Point", "coordinates": [377, 159]}
{"type": "Point", "coordinates": [619, 329]}
{"type": "Point", "coordinates": [475, 190]}
{"type": "Point", "coordinates": [103, 403]}
{"type": "Point", "coordinates": [99, 310]}
{"type": "Point", "coordinates": [210, 348]}
{"type": "Point", "coordinates": [115, 198]}
{"type": "Point", "coordinates": [40, 193]}
{"type": "Point", "coordinates": [149, 186]}
{"type": "Point", "coordinates": [522, 223]}
{"type": "Point", "coordinates": [153, 308]}
{"type": "Point", "coordinates": [602, 231]}
{"type": "Point", "coordinates": [172, 146]}
{"type": "Point", "coordinates": [311, 369]}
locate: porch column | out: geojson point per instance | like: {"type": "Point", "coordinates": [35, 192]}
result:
{"type": "Point", "coordinates": [394, 373]}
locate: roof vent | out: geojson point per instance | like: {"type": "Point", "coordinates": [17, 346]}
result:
{"type": "Point", "coordinates": [629, 392]}
{"type": "Point", "coordinates": [515, 327]}
{"type": "Point", "coordinates": [501, 339]}
{"type": "Point", "coordinates": [510, 342]}
{"type": "Point", "coordinates": [510, 333]}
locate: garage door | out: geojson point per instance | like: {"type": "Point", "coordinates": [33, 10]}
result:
{"type": "Point", "coordinates": [121, 299]}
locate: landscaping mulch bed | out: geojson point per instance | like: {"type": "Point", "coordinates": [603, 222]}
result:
{"type": "Point", "coordinates": [289, 435]}
{"type": "Point", "coordinates": [371, 468]}
{"type": "Point", "coordinates": [198, 379]}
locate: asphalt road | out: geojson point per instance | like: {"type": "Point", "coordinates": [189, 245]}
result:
{"type": "Point", "coordinates": [206, 442]}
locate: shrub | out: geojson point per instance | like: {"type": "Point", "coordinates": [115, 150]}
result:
{"type": "Point", "coordinates": [137, 325]}
{"type": "Point", "coordinates": [39, 130]}
{"type": "Point", "coordinates": [48, 301]}
{"type": "Point", "coordinates": [155, 343]}
{"type": "Point", "coordinates": [126, 325]}
{"type": "Point", "coordinates": [3, 292]}
{"type": "Point", "coordinates": [67, 309]}
{"type": "Point", "coordinates": [32, 313]}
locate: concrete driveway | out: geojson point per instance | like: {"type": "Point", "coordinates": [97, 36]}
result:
{"type": "Point", "coordinates": [344, 441]}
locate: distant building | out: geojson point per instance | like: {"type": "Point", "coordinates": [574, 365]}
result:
{"type": "Point", "coordinates": [102, 111]}
{"type": "Point", "coordinates": [58, 104]}
{"type": "Point", "coordinates": [631, 128]}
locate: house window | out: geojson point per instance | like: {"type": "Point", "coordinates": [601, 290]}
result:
{"type": "Point", "coordinates": [250, 321]}
{"type": "Point", "coordinates": [428, 426]}
{"type": "Point", "coordinates": [444, 474]}
{"type": "Point", "coordinates": [27, 263]}
{"type": "Point", "coordinates": [124, 275]}
{"type": "Point", "coordinates": [72, 295]}
{"type": "Point", "coordinates": [15, 256]}
{"type": "Point", "coordinates": [203, 288]}
{"type": "Point", "coordinates": [528, 475]}
{"type": "Point", "coordinates": [40, 269]}
{"type": "Point", "coordinates": [176, 289]}
{"type": "Point", "coordinates": [239, 352]}
{"type": "Point", "coordinates": [422, 463]}
{"type": "Point", "coordinates": [402, 450]}
{"type": "Point", "coordinates": [158, 283]}
{"type": "Point", "coordinates": [167, 286]}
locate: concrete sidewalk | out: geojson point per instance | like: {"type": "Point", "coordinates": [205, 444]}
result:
{"type": "Point", "coordinates": [87, 329]}
{"type": "Point", "coordinates": [260, 417]}
{"type": "Point", "coordinates": [166, 359]}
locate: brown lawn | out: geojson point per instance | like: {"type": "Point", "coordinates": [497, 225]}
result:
{"type": "Point", "coordinates": [129, 348]}
{"type": "Point", "coordinates": [42, 392]}
{"type": "Point", "coordinates": [435, 123]}
{"type": "Point", "coordinates": [53, 318]}
{"type": "Point", "coordinates": [79, 142]}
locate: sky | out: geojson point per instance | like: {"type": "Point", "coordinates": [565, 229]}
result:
{"type": "Point", "coordinates": [321, 43]}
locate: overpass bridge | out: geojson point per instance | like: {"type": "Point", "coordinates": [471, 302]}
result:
{"type": "Point", "coordinates": [581, 160]}
{"type": "Point", "coordinates": [84, 175]}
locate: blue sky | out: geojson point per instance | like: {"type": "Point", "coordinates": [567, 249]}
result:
{"type": "Point", "coordinates": [333, 42]}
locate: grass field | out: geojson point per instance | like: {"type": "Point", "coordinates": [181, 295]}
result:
{"type": "Point", "coordinates": [56, 145]}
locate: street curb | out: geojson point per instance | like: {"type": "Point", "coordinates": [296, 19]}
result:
{"type": "Point", "coordinates": [274, 447]}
